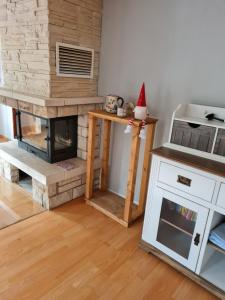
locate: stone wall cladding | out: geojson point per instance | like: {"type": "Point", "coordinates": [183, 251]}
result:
{"type": "Point", "coordinates": [61, 192]}
{"type": "Point", "coordinates": [25, 46]}
{"type": "Point", "coordinates": [8, 171]}
{"type": "Point", "coordinates": [29, 31]}
{"type": "Point", "coordinates": [83, 135]}
{"type": "Point", "coordinates": [78, 23]}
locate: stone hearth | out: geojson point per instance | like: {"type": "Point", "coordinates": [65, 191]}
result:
{"type": "Point", "coordinates": [53, 184]}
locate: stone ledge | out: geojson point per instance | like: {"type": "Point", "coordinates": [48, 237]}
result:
{"type": "Point", "coordinates": [49, 111]}
{"type": "Point", "coordinates": [48, 102]}
{"type": "Point", "coordinates": [39, 169]}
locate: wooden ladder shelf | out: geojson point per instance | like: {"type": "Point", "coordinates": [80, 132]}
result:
{"type": "Point", "coordinates": [122, 210]}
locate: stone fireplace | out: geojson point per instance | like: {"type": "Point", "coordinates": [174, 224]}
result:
{"type": "Point", "coordinates": [30, 84]}
{"type": "Point", "coordinates": [56, 183]}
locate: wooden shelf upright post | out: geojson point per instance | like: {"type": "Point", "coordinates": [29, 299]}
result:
{"type": "Point", "coordinates": [105, 155]}
{"type": "Point", "coordinates": [90, 156]}
{"type": "Point", "coordinates": [122, 210]}
{"type": "Point", "coordinates": [135, 147]}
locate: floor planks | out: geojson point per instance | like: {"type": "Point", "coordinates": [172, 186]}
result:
{"type": "Point", "coordinates": [3, 139]}
{"type": "Point", "coordinates": [76, 252]}
{"type": "Point", "coordinates": [16, 204]}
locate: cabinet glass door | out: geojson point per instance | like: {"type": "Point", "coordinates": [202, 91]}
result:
{"type": "Point", "coordinates": [175, 226]}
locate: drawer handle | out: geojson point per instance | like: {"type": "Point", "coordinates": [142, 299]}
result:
{"type": "Point", "coordinates": [184, 180]}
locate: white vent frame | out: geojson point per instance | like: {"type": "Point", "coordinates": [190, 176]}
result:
{"type": "Point", "coordinates": [59, 73]}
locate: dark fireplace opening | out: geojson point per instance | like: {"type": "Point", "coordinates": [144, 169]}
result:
{"type": "Point", "coordinates": [25, 181]}
{"type": "Point", "coordinates": [52, 139]}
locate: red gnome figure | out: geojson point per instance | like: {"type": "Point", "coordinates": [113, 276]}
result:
{"type": "Point", "coordinates": [140, 113]}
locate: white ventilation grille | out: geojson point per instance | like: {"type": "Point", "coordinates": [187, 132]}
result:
{"type": "Point", "coordinates": [74, 61]}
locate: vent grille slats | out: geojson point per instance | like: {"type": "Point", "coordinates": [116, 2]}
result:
{"type": "Point", "coordinates": [74, 61]}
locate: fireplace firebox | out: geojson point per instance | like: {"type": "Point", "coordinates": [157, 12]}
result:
{"type": "Point", "coordinates": [52, 139]}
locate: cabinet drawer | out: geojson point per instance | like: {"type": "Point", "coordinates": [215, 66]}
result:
{"type": "Point", "coordinates": [186, 181]}
{"type": "Point", "coordinates": [221, 196]}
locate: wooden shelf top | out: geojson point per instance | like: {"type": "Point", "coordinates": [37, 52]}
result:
{"type": "Point", "coordinates": [195, 161]}
{"type": "Point", "coordinates": [101, 114]}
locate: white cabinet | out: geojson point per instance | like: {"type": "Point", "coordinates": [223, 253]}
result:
{"type": "Point", "coordinates": [175, 226]}
{"type": "Point", "coordinates": [185, 201]}
{"type": "Point", "coordinates": [221, 196]}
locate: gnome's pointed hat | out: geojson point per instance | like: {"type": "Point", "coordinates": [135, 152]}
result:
{"type": "Point", "coordinates": [141, 100]}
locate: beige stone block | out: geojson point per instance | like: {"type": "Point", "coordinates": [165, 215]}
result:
{"type": "Point", "coordinates": [25, 106]}
{"type": "Point", "coordinates": [60, 199]}
{"type": "Point", "coordinates": [45, 191]}
{"type": "Point", "coordinates": [84, 155]}
{"type": "Point", "coordinates": [79, 153]}
{"type": "Point", "coordinates": [12, 102]}
{"type": "Point", "coordinates": [69, 110]}
{"type": "Point", "coordinates": [64, 182]}
{"type": "Point", "coordinates": [79, 191]}
{"type": "Point", "coordinates": [45, 201]}
{"type": "Point", "coordinates": [79, 130]}
{"type": "Point", "coordinates": [46, 112]}
{"type": "Point", "coordinates": [51, 189]}
{"type": "Point", "coordinates": [69, 186]}
{"type": "Point", "coordinates": [84, 109]}
{"type": "Point", "coordinates": [82, 143]}
{"type": "Point", "coordinates": [83, 120]}
{"type": "Point", "coordinates": [37, 196]}
{"type": "Point", "coordinates": [36, 184]}
{"type": "Point", "coordinates": [2, 100]}
{"type": "Point", "coordinates": [84, 132]}
{"type": "Point", "coordinates": [10, 172]}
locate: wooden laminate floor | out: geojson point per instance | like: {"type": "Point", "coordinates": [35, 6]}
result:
{"type": "Point", "coordinates": [16, 204]}
{"type": "Point", "coordinates": [75, 252]}
{"type": "Point", "coordinates": [3, 139]}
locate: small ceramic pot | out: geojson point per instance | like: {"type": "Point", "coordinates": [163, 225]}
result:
{"type": "Point", "coordinates": [121, 112]}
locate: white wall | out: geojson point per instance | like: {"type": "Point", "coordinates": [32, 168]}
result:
{"type": "Point", "coordinates": [6, 121]}
{"type": "Point", "coordinates": [176, 46]}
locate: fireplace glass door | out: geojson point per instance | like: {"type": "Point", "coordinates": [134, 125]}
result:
{"type": "Point", "coordinates": [63, 133]}
{"type": "Point", "coordinates": [34, 131]}
{"type": "Point", "coordinates": [53, 139]}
